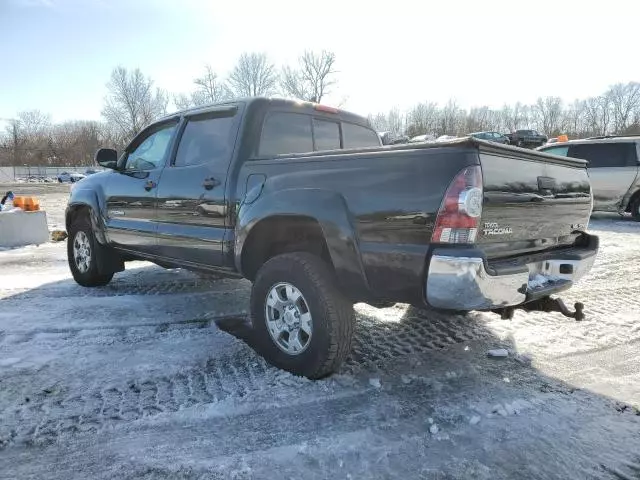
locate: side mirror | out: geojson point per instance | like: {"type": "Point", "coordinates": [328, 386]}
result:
{"type": "Point", "coordinates": [107, 158]}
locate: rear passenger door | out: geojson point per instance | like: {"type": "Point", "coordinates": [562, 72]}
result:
{"type": "Point", "coordinates": [612, 168]}
{"type": "Point", "coordinates": [192, 206]}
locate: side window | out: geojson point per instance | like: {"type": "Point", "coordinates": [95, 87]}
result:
{"type": "Point", "coordinates": [562, 151]}
{"type": "Point", "coordinates": [326, 135]}
{"type": "Point", "coordinates": [601, 155]}
{"type": "Point", "coordinates": [284, 133]}
{"type": "Point", "coordinates": [151, 153]}
{"type": "Point", "coordinates": [357, 136]}
{"type": "Point", "coordinates": [205, 140]}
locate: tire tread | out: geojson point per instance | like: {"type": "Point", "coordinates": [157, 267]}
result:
{"type": "Point", "coordinates": [338, 309]}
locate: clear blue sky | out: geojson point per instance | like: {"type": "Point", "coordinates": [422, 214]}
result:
{"type": "Point", "coordinates": [56, 55]}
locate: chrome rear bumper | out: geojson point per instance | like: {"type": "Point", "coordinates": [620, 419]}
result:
{"type": "Point", "coordinates": [463, 282]}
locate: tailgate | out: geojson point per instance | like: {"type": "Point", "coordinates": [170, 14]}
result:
{"type": "Point", "coordinates": [532, 201]}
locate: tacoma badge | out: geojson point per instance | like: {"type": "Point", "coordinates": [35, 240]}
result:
{"type": "Point", "coordinates": [495, 229]}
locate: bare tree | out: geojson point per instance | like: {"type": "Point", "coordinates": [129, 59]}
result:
{"type": "Point", "coordinates": [625, 99]}
{"type": "Point", "coordinates": [548, 111]}
{"type": "Point", "coordinates": [513, 118]}
{"type": "Point", "coordinates": [450, 117]}
{"type": "Point", "coordinates": [182, 101]}
{"type": "Point", "coordinates": [253, 75]}
{"type": "Point", "coordinates": [379, 122]}
{"type": "Point", "coordinates": [312, 78]}
{"type": "Point", "coordinates": [132, 102]}
{"type": "Point", "coordinates": [210, 89]}
{"type": "Point", "coordinates": [598, 114]}
{"type": "Point", "coordinates": [395, 121]}
{"type": "Point", "coordinates": [422, 119]}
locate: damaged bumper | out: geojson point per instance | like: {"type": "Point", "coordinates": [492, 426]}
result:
{"type": "Point", "coordinates": [464, 279]}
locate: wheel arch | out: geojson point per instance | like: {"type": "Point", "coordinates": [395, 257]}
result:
{"type": "Point", "coordinates": [632, 199]}
{"type": "Point", "coordinates": [310, 220]}
{"type": "Point", "coordinates": [85, 202]}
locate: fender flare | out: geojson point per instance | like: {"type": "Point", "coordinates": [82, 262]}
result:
{"type": "Point", "coordinates": [329, 209]}
{"type": "Point", "coordinates": [86, 198]}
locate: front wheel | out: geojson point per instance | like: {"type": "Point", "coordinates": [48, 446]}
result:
{"type": "Point", "coordinates": [302, 322]}
{"type": "Point", "coordinates": [82, 255]}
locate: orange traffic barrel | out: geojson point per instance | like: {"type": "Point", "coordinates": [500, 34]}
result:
{"type": "Point", "coordinates": [31, 204]}
{"type": "Point", "coordinates": [19, 202]}
{"type": "Point", "coordinates": [28, 204]}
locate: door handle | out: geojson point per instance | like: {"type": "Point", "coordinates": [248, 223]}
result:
{"type": "Point", "coordinates": [210, 182]}
{"type": "Point", "coordinates": [149, 185]}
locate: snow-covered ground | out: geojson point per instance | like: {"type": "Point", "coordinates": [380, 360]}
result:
{"type": "Point", "coordinates": [152, 377]}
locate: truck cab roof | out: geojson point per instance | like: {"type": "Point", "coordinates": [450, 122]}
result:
{"type": "Point", "coordinates": [271, 103]}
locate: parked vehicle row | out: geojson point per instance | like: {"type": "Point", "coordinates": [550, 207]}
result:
{"type": "Point", "coordinates": [520, 138]}
{"type": "Point", "coordinates": [305, 202]}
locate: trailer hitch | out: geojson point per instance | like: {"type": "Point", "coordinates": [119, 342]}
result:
{"type": "Point", "coordinates": [544, 304]}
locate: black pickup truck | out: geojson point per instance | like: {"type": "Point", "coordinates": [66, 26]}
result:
{"type": "Point", "coordinates": [526, 138]}
{"type": "Point", "coordinates": [302, 200]}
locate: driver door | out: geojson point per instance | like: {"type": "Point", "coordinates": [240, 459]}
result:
{"type": "Point", "coordinates": [131, 191]}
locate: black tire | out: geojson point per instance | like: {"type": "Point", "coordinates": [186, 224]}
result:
{"type": "Point", "coordinates": [520, 144]}
{"type": "Point", "coordinates": [91, 277]}
{"type": "Point", "coordinates": [635, 209]}
{"type": "Point", "coordinates": [331, 312]}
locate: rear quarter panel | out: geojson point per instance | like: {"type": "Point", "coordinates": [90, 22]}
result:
{"type": "Point", "coordinates": [391, 197]}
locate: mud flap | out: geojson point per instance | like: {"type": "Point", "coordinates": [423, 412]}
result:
{"type": "Point", "coordinates": [108, 260]}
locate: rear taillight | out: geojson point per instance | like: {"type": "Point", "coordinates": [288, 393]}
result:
{"type": "Point", "coordinates": [459, 215]}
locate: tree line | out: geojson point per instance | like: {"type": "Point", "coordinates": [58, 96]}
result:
{"type": "Point", "coordinates": [133, 100]}
{"type": "Point", "coordinates": [616, 111]}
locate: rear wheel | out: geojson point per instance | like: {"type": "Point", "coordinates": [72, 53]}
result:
{"type": "Point", "coordinates": [302, 322]}
{"type": "Point", "coordinates": [635, 209]}
{"type": "Point", "coordinates": [82, 255]}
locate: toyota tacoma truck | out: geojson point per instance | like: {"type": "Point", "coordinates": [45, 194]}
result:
{"type": "Point", "coordinates": [304, 201]}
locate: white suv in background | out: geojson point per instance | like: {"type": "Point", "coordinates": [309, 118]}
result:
{"type": "Point", "coordinates": [614, 170]}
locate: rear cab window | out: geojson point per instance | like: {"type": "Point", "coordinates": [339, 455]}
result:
{"type": "Point", "coordinates": [289, 133]}
{"type": "Point", "coordinates": [326, 134]}
{"type": "Point", "coordinates": [285, 133]}
{"type": "Point", "coordinates": [357, 136]}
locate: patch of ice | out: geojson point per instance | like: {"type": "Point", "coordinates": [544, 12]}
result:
{"type": "Point", "coordinates": [434, 429]}
{"type": "Point", "coordinates": [475, 420]}
{"type": "Point", "coordinates": [500, 410]}
{"type": "Point", "coordinates": [375, 382]}
{"type": "Point", "coordinates": [7, 362]}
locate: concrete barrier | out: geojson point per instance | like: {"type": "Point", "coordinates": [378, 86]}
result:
{"type": "Point", "coordinates": [23, 228]}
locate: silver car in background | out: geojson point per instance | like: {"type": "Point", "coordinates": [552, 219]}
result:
{"type": "Point", "coordinates": [614, 170]}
